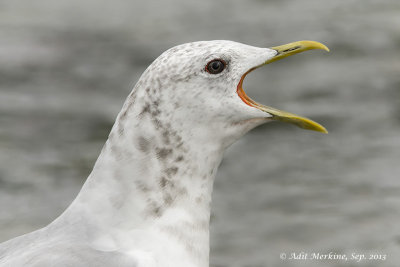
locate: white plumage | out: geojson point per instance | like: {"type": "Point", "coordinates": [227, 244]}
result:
{"type": "Point", "coordinates": [147, 201]}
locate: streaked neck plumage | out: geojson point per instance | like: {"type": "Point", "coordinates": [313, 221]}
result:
{"type": "Point", "coordinates": [150, 189]}
{"type": "Point", "coordinates": [151, 183]}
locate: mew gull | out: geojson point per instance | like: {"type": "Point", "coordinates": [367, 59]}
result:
{"type": "Point", "coordinates": [147, 200]}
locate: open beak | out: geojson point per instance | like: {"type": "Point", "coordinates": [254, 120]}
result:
{"type": "Point", "coordinates": [279, 115]}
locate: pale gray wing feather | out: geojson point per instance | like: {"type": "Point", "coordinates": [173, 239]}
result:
{"type": "Point", "coordinates": [36, 249]}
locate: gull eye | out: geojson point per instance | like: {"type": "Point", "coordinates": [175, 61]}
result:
{"type": "Point", "coordinates": [215, 66]}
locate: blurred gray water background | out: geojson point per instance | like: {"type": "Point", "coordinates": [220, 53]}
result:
{"type": "Point", "coordinates": [67, 66]}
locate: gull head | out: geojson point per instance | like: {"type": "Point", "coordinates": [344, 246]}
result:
{"type": "Point", "coordinates": [197, 88]}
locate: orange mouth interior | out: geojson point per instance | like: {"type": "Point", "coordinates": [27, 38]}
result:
{"type": "Point", "coordinates": [245, 98]}
{"type": "Point", "coordinates": [276, 114]}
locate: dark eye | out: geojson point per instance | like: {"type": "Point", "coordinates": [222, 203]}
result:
{"type": "Point", "coordinates": [215, 66]}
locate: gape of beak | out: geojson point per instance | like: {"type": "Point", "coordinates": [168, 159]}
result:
{"type": "Point", "coordinates": [276, 114]}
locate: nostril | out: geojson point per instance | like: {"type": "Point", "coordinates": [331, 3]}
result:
{"type": "Point", "coordinates": [291, 49]}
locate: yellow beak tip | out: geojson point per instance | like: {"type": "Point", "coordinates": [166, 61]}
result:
{"type": "Point", "coordinates": [326, 48]}
{"type": "Point", "coordinates": [312, 125]}
{"type": "Point", "coordinates": [325, 131]}
{"type": "Point", "coordinates": [315, 127]}
{"type": "Point", "coordinates": [307, 45]}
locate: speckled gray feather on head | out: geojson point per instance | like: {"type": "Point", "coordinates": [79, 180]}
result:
{"type": "Point", "coordinates": [147, 201]}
